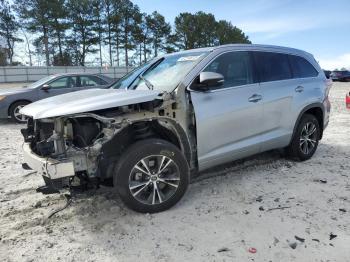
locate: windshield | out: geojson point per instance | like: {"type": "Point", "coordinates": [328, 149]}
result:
{"type": "Point", "coordinates": [167, 72]}
{"type": "Point", "coordinates": [126, 80]}
{"type": "Point", "coordinates": [40, 82]}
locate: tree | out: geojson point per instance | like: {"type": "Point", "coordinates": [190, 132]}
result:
{"type": "Point", "coordinates": [8, 28]}
{"type": "Point", "coordinates": [205, 29]}
{"type": "Point", "coordinates": [58, 24]}
{"type": "Point", "coordinates": [130, 18]}
{"type": "Point", "coordinates": [229, 34]}
{"type": "Point", "coordinates": [3, 57]}
{"type": "Point", "coordinates": [184, 31]}
{"type": "Point", "coordinates": [98, 25]}
{"type": "Point", "coordinates": [107, 9]}
{"type": "Point", "coordinates": [201, 30]}
{"type": "Point", "coordinates": [159, 29]}
{"type": "Point", "coordinates": [142, 38]}
{"type": "Point", "coordinates": [36, 19]}
{"type": "Point", "coordinates": [83, 38]}
{"type": "Point", "coordinates": [116, 27]}
{"type": "Point", "coordinates": [28, 50]}
{"type": "Point", "coordinates": [64, 59]}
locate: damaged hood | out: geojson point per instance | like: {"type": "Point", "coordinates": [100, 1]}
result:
{"type": "Point", "coordinates": [86, 101]}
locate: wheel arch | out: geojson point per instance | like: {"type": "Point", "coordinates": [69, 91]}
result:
{"type": "Point", "coordinates": [316, 109]}
{"type": "Point", "coordinates": [16, 101]}
{"type": "Point", "coordinates": [166, 129]}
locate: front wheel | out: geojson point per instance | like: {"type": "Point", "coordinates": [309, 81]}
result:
{"type": "Point", "coordinates": [15, 114]}
{"type": "Point", "coordinates": [305, 140]}
{"type": "Point", "coordinates": [151, 176]}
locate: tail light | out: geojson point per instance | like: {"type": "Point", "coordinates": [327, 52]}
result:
{"type": "Point", "coordinates": [328, 83]}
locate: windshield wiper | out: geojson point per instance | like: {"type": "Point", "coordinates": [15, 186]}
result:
{"type": "Point", "coordinates": [147, 82]}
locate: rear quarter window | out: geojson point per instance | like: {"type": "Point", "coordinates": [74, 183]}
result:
{"type": "Point", "coordinates": [272, 66]}
{"type": "Point", "coordinates": [301, 67]}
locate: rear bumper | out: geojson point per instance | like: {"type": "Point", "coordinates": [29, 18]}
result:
{"type": "Point", "coordinates": [51, 169]}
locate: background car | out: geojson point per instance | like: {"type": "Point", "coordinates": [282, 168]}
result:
{"type": "Point", "coordinates": [12, 100]}
{"type": "Point", "coordinates": [341, 75]}
{"type": "Point", "coordinates": [327, 73]}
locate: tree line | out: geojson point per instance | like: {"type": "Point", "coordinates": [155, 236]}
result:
{"type": "Point", "coordinates": [114, 32]}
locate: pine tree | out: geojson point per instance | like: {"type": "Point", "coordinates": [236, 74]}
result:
{"type": "Point", "coordinates": [58, 24]}
{"type": "Point", "coordinates": [8, 28]}
{"type": "Point", "coordinates": [159, 29]}
{"type": "Point", "coordinates": [36, 20]}
{"type": "Point", "coordinates": [83, 38]}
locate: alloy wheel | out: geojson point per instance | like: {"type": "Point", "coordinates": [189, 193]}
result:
{"type": "Point", "coordinates": [154, 179]}
{"type": "Point", "coordinates": [19, 117]}
{"type": "Point", "coordinates": [308, 138]}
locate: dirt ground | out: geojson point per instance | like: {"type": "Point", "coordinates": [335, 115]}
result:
{"type": "Point", "coordinates": [224, 213]}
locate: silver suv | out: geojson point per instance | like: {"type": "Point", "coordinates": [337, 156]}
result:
{"type": "Point", "coordinates": [176, 115]}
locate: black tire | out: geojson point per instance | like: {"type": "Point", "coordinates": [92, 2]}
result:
{"type": "Point", "coordinates": [152, 151]}
{"type": "Point", "coordinates": [13, 112]}
{"type": "Point", "coordinates": [297, 148]}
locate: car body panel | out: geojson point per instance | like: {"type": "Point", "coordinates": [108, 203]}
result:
{"type": "Point", "coordinates": [280, 109]}
{"type": "Point", "coordinates": [228, 125]}
{"type": "Point", "coordinates": [277, 108]}
{"type": "Point", "coordinates": [85, 101]}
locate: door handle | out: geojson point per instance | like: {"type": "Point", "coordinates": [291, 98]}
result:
{"type": "Point", "coordinates": [255, 98]}
{"type": "Point", "coordinates": [299, 89]}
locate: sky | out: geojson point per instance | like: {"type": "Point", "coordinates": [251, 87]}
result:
{"type": "Point", "coordinates": [320, 27]}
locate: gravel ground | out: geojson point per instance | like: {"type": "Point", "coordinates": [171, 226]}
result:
{"type": "Point", "coordinates": [225, 213]}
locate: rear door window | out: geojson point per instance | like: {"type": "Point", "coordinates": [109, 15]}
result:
{"type": "Point", "coordinates": [88, 81]}
{"type": "Point", "coordinates": [99, 80]}
{"type": "Point", "coordinates": [272, 66]}
{"type": "Point", "coordinates": [301, 67]}
{"type": "Point", "coordinates": [236, 67]}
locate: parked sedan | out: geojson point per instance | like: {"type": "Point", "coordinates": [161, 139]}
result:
{"type": "Point", "coordinates": [12, 100]}
{"type": "Point", "coordinates": [343, 76]}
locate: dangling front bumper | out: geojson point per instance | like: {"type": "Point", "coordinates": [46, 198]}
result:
{"type": "Point", "coordinates": [55, 173]}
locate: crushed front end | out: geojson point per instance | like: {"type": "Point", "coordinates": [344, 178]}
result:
{"type": "Point", "coordinates": [63, 150]}
{"type": "Point", "coordinates": [82, 149]}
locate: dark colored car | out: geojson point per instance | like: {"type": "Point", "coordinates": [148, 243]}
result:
{"type": "Point", "coordinates": [341, 75]}
{"type": "Point", "coordinates": [13, 99]}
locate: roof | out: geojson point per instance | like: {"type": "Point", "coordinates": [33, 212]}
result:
{"type": "Point", "coordinates": [76, 73]}
{"type": "Point", "coordinates": [249, 47]}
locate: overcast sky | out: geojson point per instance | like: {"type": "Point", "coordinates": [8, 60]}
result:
{"type": "Point", "coordinates": [321, 27]}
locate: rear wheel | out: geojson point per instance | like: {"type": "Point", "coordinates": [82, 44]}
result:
{"type": "Point", "coordinates": [151, 176]}
{"type": "Point", "coordinates": [305, 139]}
{"type": "Point", "coordinates": [15, 114]}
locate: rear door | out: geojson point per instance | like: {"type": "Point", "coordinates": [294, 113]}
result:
{"type": "Point", "coordinates": [229, 118]}
{"type": "Point", "coordinates": [284, 87]}
{"type": "Point", "coordinates": [91, 81]}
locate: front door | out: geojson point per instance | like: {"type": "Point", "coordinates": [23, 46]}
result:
{"type": "Point", "coordinates": [229, 118]}
{"type": "Point", "coordinates": [60, 86]}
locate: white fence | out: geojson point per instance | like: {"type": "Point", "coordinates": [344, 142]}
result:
{"type": "Point", "coordinates": [10, 74]}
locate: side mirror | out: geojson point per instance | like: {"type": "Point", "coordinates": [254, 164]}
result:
{"type": "Point", "coordinates": [45, 87]}
{"type": "Point", "coordinates": [208, 80]}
